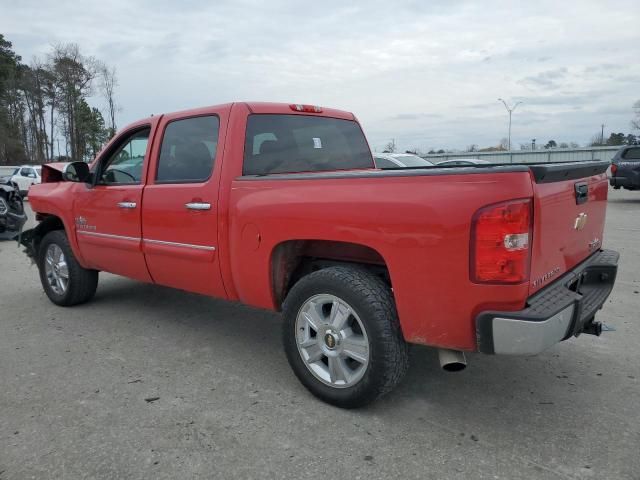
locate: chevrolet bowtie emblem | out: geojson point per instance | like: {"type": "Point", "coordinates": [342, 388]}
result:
{"type": "Point", "coordinates": [581, 221]}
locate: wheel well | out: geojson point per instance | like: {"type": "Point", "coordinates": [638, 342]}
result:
{"type": "Point", "coordinates": [46, 225]}
{"type": "Point", "coordinates": [293, 259]}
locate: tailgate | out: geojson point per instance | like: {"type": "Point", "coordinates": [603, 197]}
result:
{"type": "Point", "coordinates": [570, 202]}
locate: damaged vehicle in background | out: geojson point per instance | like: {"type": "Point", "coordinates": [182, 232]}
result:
{"type": "Point", "coordinates": [12, 216]}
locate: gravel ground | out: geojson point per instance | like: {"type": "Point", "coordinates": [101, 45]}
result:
{"type": "Point", "coordinates": [148, 382]}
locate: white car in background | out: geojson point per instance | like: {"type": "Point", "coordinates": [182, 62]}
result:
{"type": "Point", "coordinates": [25, 176]}
{"type": "Point", "coordinates": [461, 162]}
{"type": "Point", "coordinates": [399, 160]}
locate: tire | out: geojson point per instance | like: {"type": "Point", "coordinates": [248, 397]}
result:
{"type": "Point", "coordinates": [349, 380]}
{"type": "Point", "coordinates": [81, 283]}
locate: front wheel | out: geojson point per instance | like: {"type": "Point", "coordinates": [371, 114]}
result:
{"type": "Point", "coordinates": [64, 280]}
{"type": "Point", "coordinates": [342, 336]}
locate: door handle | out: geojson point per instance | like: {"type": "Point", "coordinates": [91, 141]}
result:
{"type": "Point", "coordinates": [198, 206]}
{"type": "Point", "coordinates": [127, 204]}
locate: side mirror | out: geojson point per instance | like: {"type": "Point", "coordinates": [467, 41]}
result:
{"type": "Point", "coordinates": [76, 172]}
{"type": "Point", "coordinates": [31, 175]}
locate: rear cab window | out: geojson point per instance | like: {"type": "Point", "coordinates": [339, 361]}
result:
{"type": "Point", "coordinates": [303, 143]}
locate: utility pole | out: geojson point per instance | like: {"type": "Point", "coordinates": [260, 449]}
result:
{"type": "Point", "coordinates": [602, 135]}
{"type": "Point", "coordinates": [510, 110]}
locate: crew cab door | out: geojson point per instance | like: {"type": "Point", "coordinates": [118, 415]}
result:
{"type": "Point", "coordinates": [179, 210]}
{"type": "Point", "coordinates": [107, 213]}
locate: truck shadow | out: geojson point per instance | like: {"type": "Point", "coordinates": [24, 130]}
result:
{"type": "Point", "coordinates": [492, 393]}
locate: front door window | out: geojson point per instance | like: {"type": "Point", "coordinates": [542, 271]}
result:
{"type": "Point", "coordinates": [124, 166]}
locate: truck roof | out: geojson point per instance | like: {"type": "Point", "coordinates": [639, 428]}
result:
{"type": "Point", "coordinates": [255, 107]}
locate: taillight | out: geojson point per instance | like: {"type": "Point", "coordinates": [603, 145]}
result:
{"type": "Point", "coordinates": [614, 168]}
{"type": "Point", "coordinates": [501, 242]}
{"type": "Point", "coordinates": [305, 108]}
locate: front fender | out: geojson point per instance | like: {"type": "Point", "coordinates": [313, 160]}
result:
{"type": "Point", "coordinates": [53, 203]}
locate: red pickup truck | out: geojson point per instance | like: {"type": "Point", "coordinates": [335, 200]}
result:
{"type": "Point", "coordinates": [281, 207]}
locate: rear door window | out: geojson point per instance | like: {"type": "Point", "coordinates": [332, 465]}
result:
{"type": "Point", "coordinates": [188, 150]}
{"type": "Point", "coordinates": [632, 154]}
{"type": "Point", "coordinates": [303, 143]}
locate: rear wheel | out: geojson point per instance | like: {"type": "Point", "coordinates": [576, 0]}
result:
{"type": "Point", "coordinates": [64, 280]}
{"type": "Point", "coordinates": [342, 336]}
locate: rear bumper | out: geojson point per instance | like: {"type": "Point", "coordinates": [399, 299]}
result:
{"type": "Point", "coordinates": [625, 182]}
{"type": "Point", "coordinates": [564, 308]}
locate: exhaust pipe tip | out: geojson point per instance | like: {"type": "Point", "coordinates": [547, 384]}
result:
{"type": "Point", "coordinates": [452, 360]}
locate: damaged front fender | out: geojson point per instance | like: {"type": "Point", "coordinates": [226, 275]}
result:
{"type": "Point", "coordinates": [27, 240]}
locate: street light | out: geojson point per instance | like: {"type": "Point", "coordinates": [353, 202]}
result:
{"type": "Point", "coordinates": [510, 110]}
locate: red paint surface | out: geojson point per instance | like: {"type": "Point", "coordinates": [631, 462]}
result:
{"type": "Point", "coordinates": [419, 225]}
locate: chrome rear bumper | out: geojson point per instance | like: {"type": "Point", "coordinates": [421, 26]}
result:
{"type": "Point", "coordinates": [566, 307]}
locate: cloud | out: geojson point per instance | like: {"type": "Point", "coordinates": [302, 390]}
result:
{"type": "Point", "coordinates": [414, 116]}
{"type": "Point", "coordinates": [546, 79]}
{"type": "Point", "coordinates": [425, 73]}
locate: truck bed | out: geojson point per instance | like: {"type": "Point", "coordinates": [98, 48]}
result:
{"type": "Point", "coordinates": [418, 220]}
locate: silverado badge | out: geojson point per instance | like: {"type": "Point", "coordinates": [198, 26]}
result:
{"type": "Point", "coordinates": [81, 224]}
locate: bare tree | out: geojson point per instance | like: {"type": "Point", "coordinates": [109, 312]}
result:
{"type": "Point", "coordinates": [34, 81]}
{"type": "Point", "coordinates": [390, 147]}
{"type": "Point", "coordinates": [596, 140]}
{"type": "Point", "coordinates": [74, 76]}
{"type": "Point", "coordinates": [43, 99]}
{"type": "Point", "coordinates": [108, 84]}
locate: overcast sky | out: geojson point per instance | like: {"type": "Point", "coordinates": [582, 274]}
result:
{"type": "Point", "coordinates": [426, 73]}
